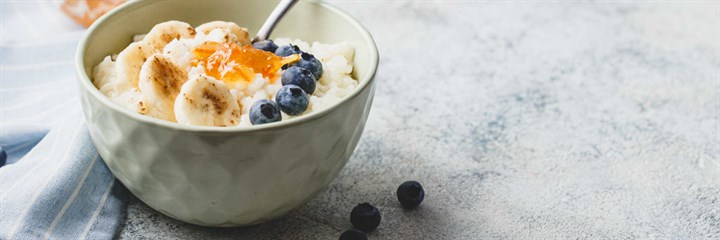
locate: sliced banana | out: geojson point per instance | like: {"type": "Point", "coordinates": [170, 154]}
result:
{"type": "Point", "coordinates": [207, 102]}
{"type": "Point", "coordinates": [164, 33]}
{"type": "Point", "coordinates": [129, 62]}
{"type": "Point", "coordinates": [160, 83]}
{"type": "Point", "coordinates": [241, 35]}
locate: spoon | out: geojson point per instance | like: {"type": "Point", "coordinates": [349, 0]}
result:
{"type": "Point", "coordinates": [272, 20]}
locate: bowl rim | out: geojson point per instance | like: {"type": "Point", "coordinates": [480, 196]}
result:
{"type": "Point", "coordinates": [86, 82]}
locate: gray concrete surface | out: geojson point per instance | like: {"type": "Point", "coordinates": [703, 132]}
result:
{"type": "Point", "coordinates": [525, 120]}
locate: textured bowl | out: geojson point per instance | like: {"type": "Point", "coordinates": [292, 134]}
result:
{"type": "Point", "coordinates": [216, 176]}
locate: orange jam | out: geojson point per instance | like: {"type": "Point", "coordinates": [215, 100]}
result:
{"type": "Point", "coordinates": [232, 63]}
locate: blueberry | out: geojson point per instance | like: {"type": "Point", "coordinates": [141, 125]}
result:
{"type": "Point", "coordinates": [353, 234]}
{"type": "Point", "coordinates": [365, 217]}
{"type": "Point", "coordinates": [3, 157]}
{"type": "Point", "coordinates": [265, 45]}
{"type": "Point", "coordinates": [299, 77]}
{"type": "Point", "coordinates": [410, 194]}
{"type": "Point", "coordinates": [287, 50]}
{"type": "Point", "coordinates": [292, 99]}
{"type": "Point", "coordinates": [264, 111]}
{"type": "Point", "coordinates": [312, 64]}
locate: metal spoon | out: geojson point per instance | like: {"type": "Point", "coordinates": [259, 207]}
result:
{"type": "Point", "coordinates": [273, 19]}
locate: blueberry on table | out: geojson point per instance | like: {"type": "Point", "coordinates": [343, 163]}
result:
{"type": "Point", "coordinates": [3, 157]}
{"type": "Point", "coordinates": [264, 111]}
{"type": "Point", "coordinates": [265, 45]}
{"type": "Point", "coordinates": [292, 99]}
{"type": "Point", "coordinates": [312, 64]}
{"type": "Point", "coordinates": [410, 194]}
{"type": "Point", "coordinates": [287, 50]}
{"type": "Point", "coordinates": [299, 77]}
{"type": "Point", "coordinates": [365, 217]}
{"type": "Point", "coordinates": [353, 234]}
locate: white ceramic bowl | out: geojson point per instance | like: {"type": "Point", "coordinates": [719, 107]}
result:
{"type": "Point", "coordinates": [217, 176]}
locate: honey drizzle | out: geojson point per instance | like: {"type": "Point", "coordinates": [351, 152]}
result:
{"type": "Point", "coordinates": [232, 63]}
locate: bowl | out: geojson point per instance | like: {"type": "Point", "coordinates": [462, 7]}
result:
{"type": "Point", "coordinates": [226, 176]}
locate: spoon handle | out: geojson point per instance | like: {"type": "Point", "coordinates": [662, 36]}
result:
{"type": "Point", "coordinates": [273, 19]}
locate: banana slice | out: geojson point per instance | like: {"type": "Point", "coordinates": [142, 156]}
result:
{"type": "Point", "coordinates": [207, 102]}
{"type": "Point", "coordinates": [129, 62]}
{"type": "Point", "coordinates": [163, 33]}
{"type": "Point", "coordinates": [241, 35]}
{"type": "Point", "coordinates": [160, 83]}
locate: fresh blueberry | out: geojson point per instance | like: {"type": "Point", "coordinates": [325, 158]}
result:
{"type": "Point", "coordinates": [410, 194]}
{"type": "Point", "coordinates": [3, 157]}
{"type": "Point", "coordinates": [265, 45]}
{"type": "Point", "coordinates": [365, 217]}
{"type": "Point", "coordinates": [353, 234]}
{"type": "Point", "coordinates": [299, 77]}
{"type": "Point", "coordinates": [264, 111]}
{"type": "Point", "coordinates": [292, 99]}
{"type": "Point", "coordinates": [287, 50]}
{"type": "Point", "coordinates": [312, 64]}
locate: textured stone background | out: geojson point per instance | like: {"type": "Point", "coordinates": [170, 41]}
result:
{"type": "Point", "coordinates": [525, 120]}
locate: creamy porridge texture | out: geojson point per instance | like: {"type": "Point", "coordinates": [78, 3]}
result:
{"type": "Point", "coordinates": [213, 76]}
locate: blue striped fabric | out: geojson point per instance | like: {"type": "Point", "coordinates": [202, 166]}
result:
{"type": "Point", "coordinates": [55, 185]}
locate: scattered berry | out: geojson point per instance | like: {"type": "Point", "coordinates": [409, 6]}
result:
{"type": "Point", "coordinates": [353, 234]}
{"type": "Point", "coordinates": [265, 45]}
{"type": "Point", "coordinates": [3, 157]}
{"type": "Point", "coordinates": [292, 99]}
{"type": "Point", "coordinates": [299, 77]}
{"type": "Point", "coordinates": [365, 217]}
{"type": "Point", "coordinates": [264, 111]}
{"type": "Point", "coordinates": [287, 50]}
{"type": "Point", "coordinates": [410, 194]}
{"type": "Point", "coordinates": [312, 64]}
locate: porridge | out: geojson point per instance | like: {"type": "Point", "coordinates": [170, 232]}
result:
{"type": "Point", "coordinates": [212, 75]}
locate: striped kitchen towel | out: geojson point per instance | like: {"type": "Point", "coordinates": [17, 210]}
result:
{"type": "Point", "coordinates": [54, 185]}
